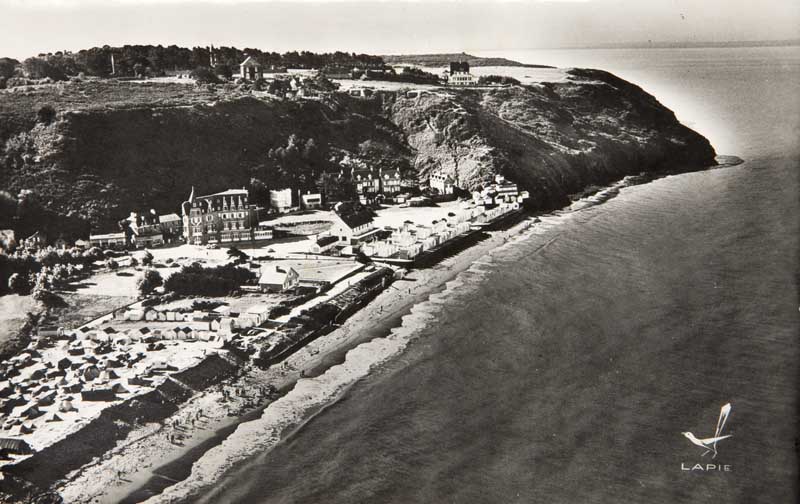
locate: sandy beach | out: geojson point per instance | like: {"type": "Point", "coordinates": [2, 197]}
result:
{"type": "Point", "coordinates": [155, 456]}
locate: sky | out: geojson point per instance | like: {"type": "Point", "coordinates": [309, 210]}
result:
{"type": "Point", "coordinates": [30, 27]}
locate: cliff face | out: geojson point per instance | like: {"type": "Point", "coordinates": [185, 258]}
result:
{"type": "Point", "coordinates": [554, 139]}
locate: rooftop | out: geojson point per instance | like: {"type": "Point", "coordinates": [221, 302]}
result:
{"type": "Point", "coordinates": [229, 192]}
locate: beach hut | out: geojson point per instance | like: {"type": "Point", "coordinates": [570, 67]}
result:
{"type": "Point", "coordinates": [140, 334]}
{"type": "Point", "coordinates": [47, 399]}
{"type": "Point", "coordinates": [138, 381]}
{"type": "Point", "coordinates": [150, 315]}
{"type": "Point", "coordinates": [115, 362]}
{"type": "Point", "coordinates": [162, 317]}
{"type": "Point", "coordinates": [90, 372]}
{"type": "Point", "coordinates": [99, 394]}
{"type": "Point", "coordinates": [108, 374]}
{"type": "Point", "coordinates": [52, 417]}
{"type": "Point", "coordinates": [64, 363]}
{"type": "Point", "coordinates": [41, 389]}
{"type": "Point", "coordinates": [106, 334]}
{"type": "Point", "coordinates": [65, 406]}
{"type": "Point", "coordinates": [74, 387]}
{"type": "Point", "coordinates": [123, 338]}
{"type": "Point", "coordinates": [118, 388]}
{"type": "Point", "coordinates": [31, 412]}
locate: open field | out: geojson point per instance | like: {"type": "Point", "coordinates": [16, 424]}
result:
{"type": "Point", "coordinates": [83, 308]}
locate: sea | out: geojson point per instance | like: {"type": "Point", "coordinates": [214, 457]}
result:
{"type": "Point", "coordinates": [566, 365]}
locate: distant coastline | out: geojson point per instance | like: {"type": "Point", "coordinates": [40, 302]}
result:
{"type": "Point", "coordinates": [443, 59]}
{"type": "Point", "coordinates": [674, 45]}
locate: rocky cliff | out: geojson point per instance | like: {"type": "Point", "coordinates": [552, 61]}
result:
{"type": "Point", "coordinates": [98, 158]}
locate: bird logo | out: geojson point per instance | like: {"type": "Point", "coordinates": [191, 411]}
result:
{"type": "Point", "coordinates": [710, 444]}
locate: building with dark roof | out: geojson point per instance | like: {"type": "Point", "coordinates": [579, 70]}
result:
{"type": "Point", "coordinates": [352, 223]}
{"type": "Point", "coordinates": [222, 217]}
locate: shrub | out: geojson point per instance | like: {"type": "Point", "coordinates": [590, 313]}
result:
{"type": "Point", "coordinates": [149, 280]}
{"type": "Point", "coordinates": [147, 258]}
{"type": "Point", "coordinates": [19, 284]}
{"type": "Point", "coordinates": [216, 281]}
{"type": "Point", "coordinates": [46, 114]}
{"type": "Point", "coordinates": [484, 80]}
{"type": "Point", "coordinates": [93, 254]}
{"type": "Point", "coordinates": [204, 75]}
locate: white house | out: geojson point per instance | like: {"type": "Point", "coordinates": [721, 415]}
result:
{"type": "Point", "coordinates": [277, 279]}
{"type": "Point", "coordinates": [281, 199]}
{"type": "Point", "coordinates": [250, 69]}
{"type": "Point", "coordinates": [311, 201]}
{"type": "Point", "coordinates": [459, 74]}
{"type": "Point", "coordinates": [442, 182]}
{"type": "Point", "coordinates": [352, 223]}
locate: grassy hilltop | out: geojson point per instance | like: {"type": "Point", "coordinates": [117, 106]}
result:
{"type": "Point", "coordinates": [111, 147]}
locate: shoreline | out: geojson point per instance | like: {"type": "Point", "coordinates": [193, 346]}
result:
{"type": "Point", "coordinates": [138, 476]}
{"type": "Point", "coordinates": [128, 473]}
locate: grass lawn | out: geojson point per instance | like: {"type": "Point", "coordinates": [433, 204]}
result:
{"type": "Point", "coordinates": [82, 308]}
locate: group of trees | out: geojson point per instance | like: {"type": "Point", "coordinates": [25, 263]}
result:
{"type": "Point", "coordinates": [195, 280]}
{"type": "Point", "coordinates": [487, 80]}
{"type": "Point", "coordinates": [26, 214]}
{"type": "Point", "coordinates": [153, 60]}
{"type": "Point", "coordinates": [296, 165]}
{"type": "Point", "coordinates": [46, 270]}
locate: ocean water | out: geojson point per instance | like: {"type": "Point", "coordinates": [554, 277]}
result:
{"type": "Point", "coordinates": [564, 366]}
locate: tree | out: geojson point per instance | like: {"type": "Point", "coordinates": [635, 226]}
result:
{"type": "Point", "coordinates": [18, 283]}
{"type": "Point", "coordinates": [223, 70]}
{"type": "Point", "coordinates": [7, 67]}
{"type": "Point", "coordinates": [259, 84]}
{"type": "Point", "coordinates": [204, 75]}
{"type": "Point", "coordinates": [39, 68]}
{"type": "Point", "coordinates": [237, 255]}
{"type": "Point", "coordinates": [92, 254]}
{"type": "Point", "coordinates": [147, 258]}
{"type": "Point", "coordinates": [46, 114]}
{"type": "Point", "coordinates": [148, 282]}
{"type": "Point", "coordinates": [259, 192]}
